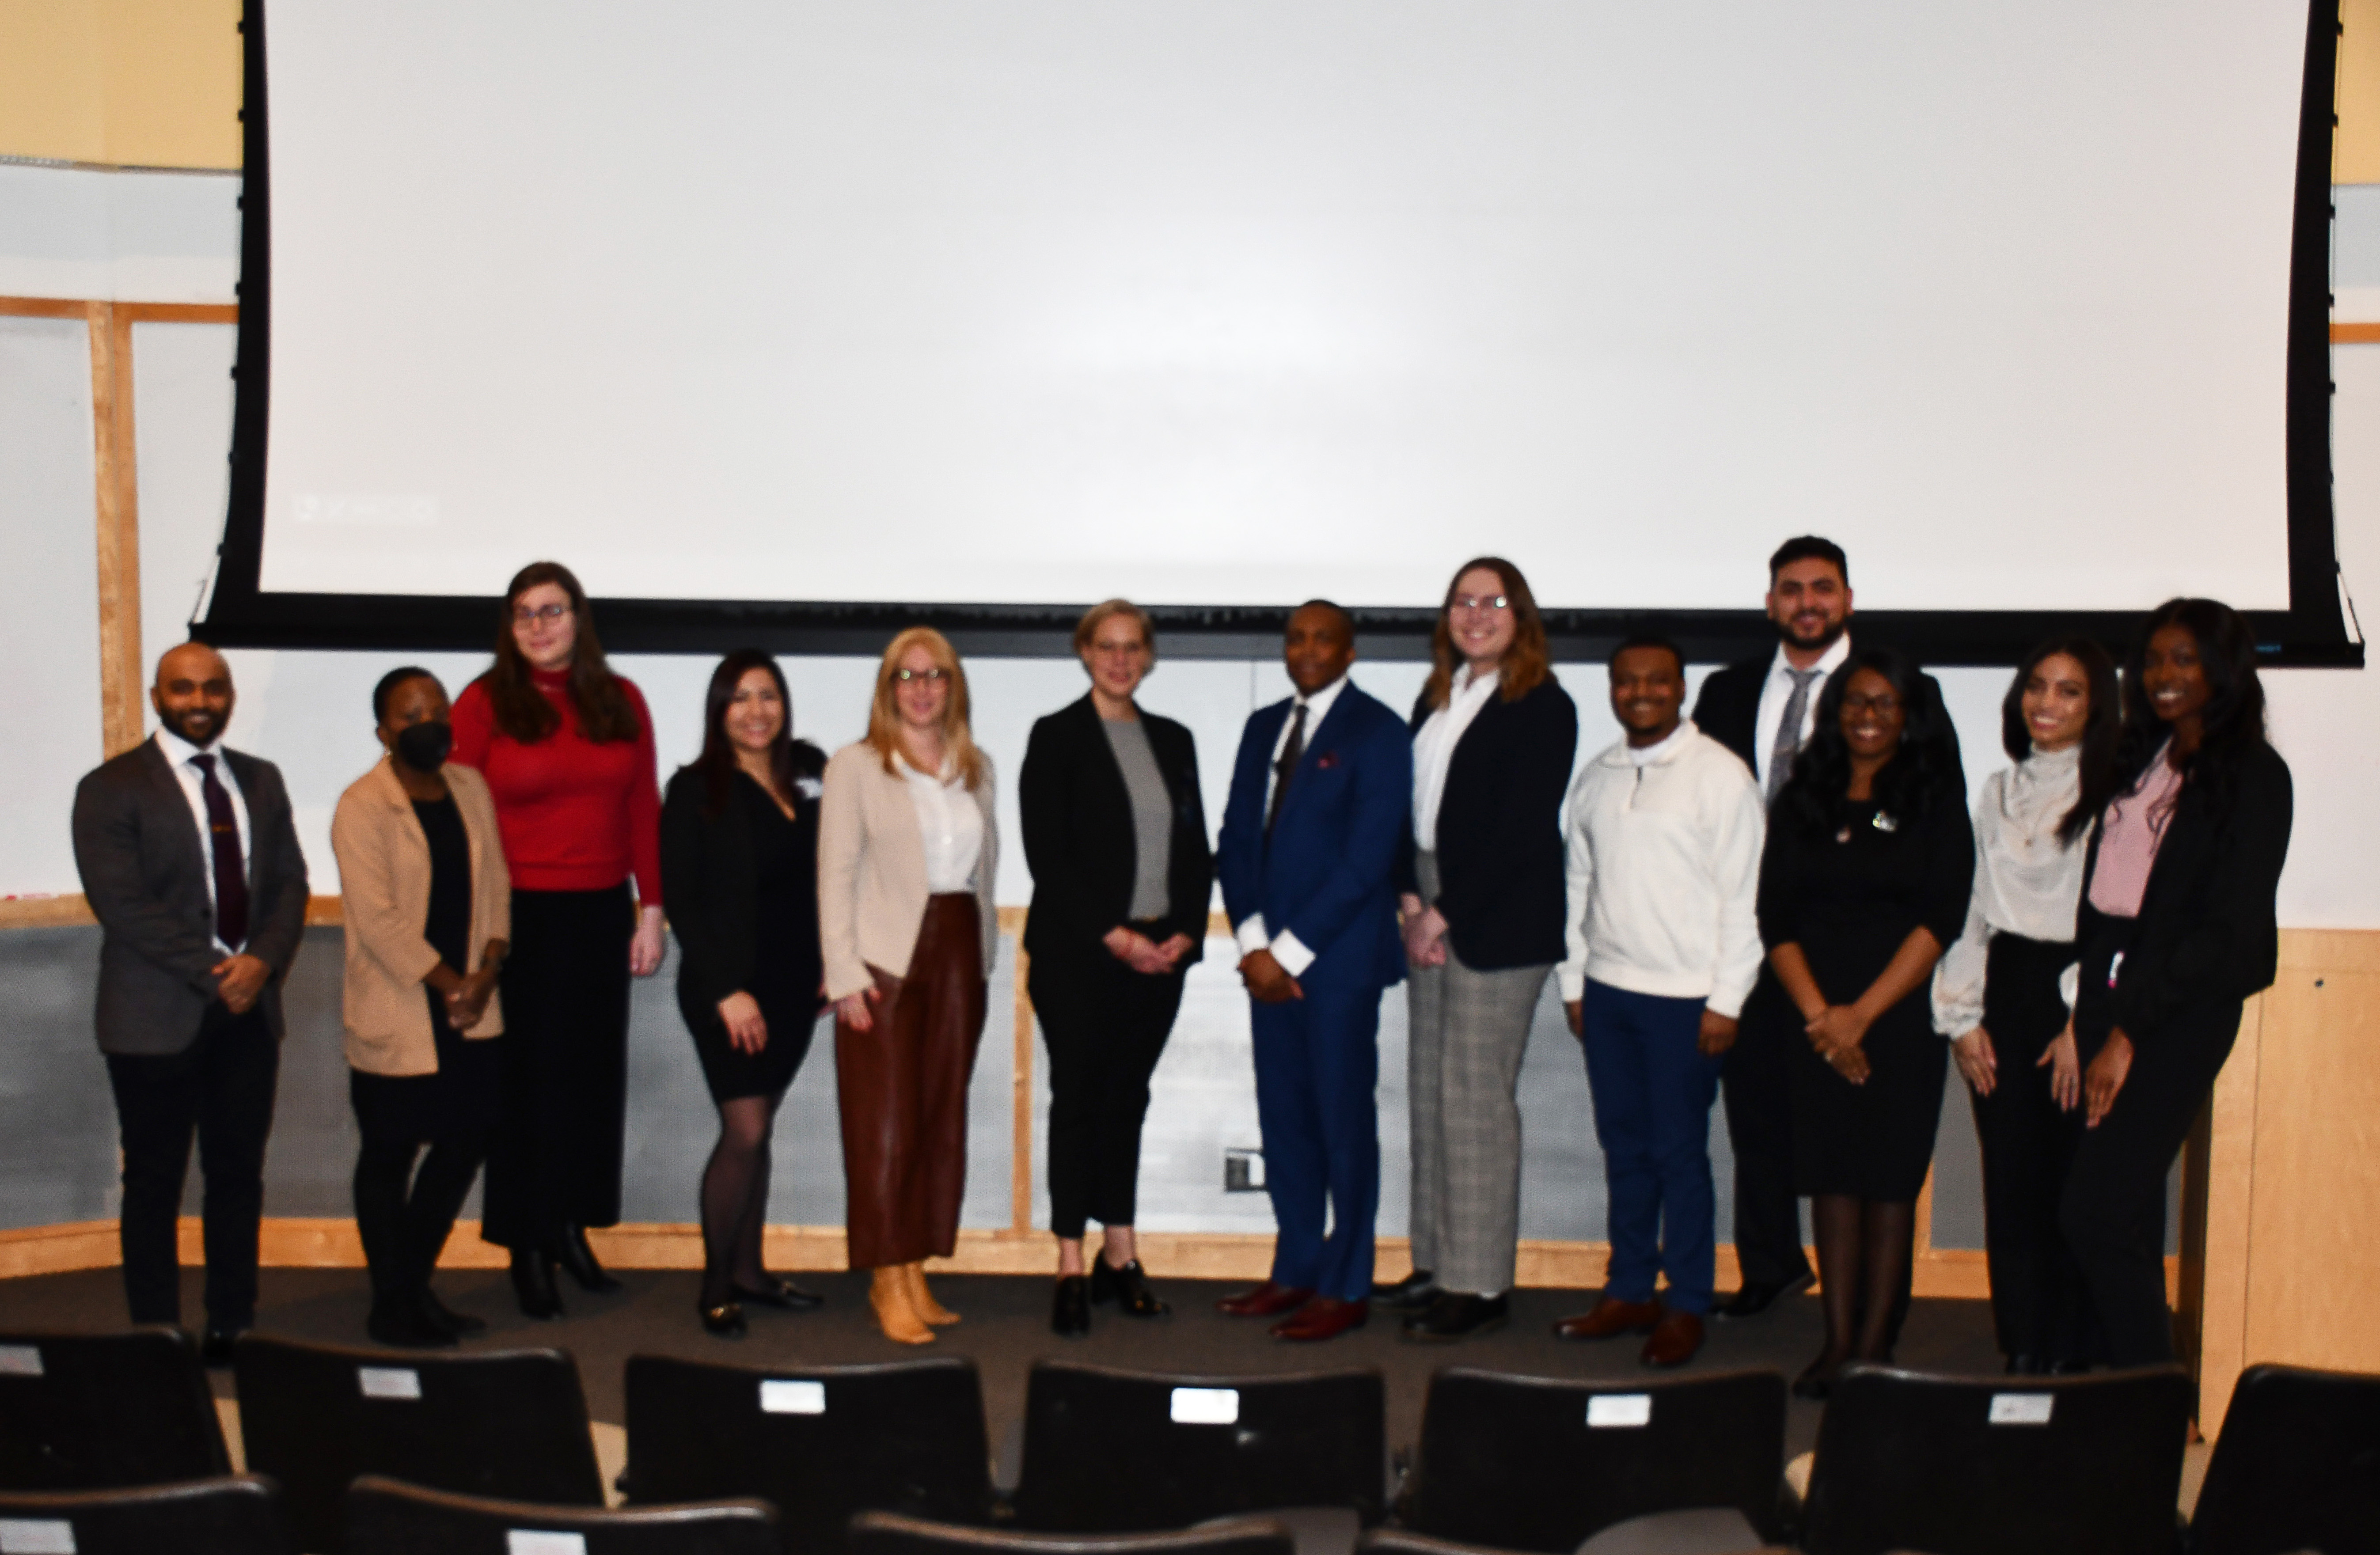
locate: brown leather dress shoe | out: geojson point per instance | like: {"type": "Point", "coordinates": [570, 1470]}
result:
{"type": "Point", "coordinates": [1323, 1317]}
{"type": "Point", "coordinates": [1675, 1338]}
{"type": "Point", "coordinates": [1266, 1300]}
{"type": "Point", "coordinates": [1610, 1318]}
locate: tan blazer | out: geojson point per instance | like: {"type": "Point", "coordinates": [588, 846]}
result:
{"type": "Point", "coordinates": [385, 883]}
{"type": "Point", "coordinates": [871, 870]}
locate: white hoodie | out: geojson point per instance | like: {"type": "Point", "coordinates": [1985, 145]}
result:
{"type": "Point", "coordinates": [1664, 870]}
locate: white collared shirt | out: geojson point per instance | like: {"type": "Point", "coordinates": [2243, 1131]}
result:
{"type": "Point", "coordinates": [1287, 949]}
{"type": "Point", "coordinates": [1434, 745]}
{"type": "Point", "coordinates": [2027, 880]}
{"type": "Point", "coordinates": [1777, 690]}
{"type": "Point", "coordinates": [178, 752]}
{"type": "Point", "coordinates": [950, 826]}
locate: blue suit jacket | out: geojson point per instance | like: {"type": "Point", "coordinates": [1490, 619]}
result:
{"type": "Point", "coordinates": [1327, 873]}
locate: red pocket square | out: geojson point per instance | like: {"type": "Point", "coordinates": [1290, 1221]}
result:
{"type": "Point", "coordinates": [1326, 760]}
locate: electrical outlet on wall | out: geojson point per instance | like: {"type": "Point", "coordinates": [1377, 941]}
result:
{"type": "Point", "coordinates": [1243, 1171]}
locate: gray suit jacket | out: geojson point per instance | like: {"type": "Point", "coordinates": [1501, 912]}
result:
{"type": "Point", "coordinates": [145, 874]}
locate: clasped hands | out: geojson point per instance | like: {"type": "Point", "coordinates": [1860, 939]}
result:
{"type": "Point", "coordinates": [466, 993]}
{"type": "Point", "coordinates": [1837, 1032]}
{"type": "Point", "coordinates": [239, 982]}
{"type": "Point", "coordinates": [1143, 954]}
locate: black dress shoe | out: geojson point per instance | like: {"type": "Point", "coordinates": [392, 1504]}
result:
{"type": "Point", "coordinates": [403, 1327]}
{"type": "Point", "coordinates": [1455, 1314]}
{"type": "Point", "coordinates": [572, 1252]}
{"type": "Point", "coordinates": [1412, 1294]}
{"type": "Point", "coordinates": [724, 1321]}
{"type": "Point", "coordinates": [2070, 1368]}
{"type": "Point", "coordinates": [1817, 1379]}
{"type": "Point", "coordinates": [1070, 1309]}
{"type": "Point", "coordinates": [533, 1284]}
{"type": "Point", "coordinates": [2027, 1366]}
{"type": "Point", "coordinates": [438, 1314]}
{"type": "Point", "coordinates": [783, 1295]}
{"type": "Point", "coordinates": [216, 1347]}
{"type": "Point", "coordinates": [1127, 1287]}
{"type": "Point", "coordinates": [1755, 1299]}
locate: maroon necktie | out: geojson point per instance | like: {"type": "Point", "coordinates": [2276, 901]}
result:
{"type": "Point", "coordinates": [231, 871]}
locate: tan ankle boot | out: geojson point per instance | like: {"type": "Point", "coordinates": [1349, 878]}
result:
{"type": "Point", "coordinates": [889, 1294]}
{"type": "Point", "coordinates": [922, 1300]}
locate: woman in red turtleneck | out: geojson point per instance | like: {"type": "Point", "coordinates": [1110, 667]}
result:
{"type": "Point", "coordinates": [567, 750]}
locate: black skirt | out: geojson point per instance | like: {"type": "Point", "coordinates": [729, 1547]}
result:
{"type": "Point", "coordinates": [728, 1070]}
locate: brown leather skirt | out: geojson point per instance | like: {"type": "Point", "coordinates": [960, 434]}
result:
{"type": "Point", "coordinates": [902, 1085]}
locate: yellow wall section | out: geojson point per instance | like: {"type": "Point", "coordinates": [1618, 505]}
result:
{"type": "Point", "coordinates": [130, 83]}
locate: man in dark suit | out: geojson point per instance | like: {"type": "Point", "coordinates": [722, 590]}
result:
{"type": "Point", "coordinates": [192, 867]}
{"type": "Point", "coordinates": [1320, 794]}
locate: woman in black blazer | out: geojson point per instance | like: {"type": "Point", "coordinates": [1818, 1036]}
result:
{"type": "Point", "coordinates": [1115, 833]}
{"type": "Point", "coordinates": [2178, 928]}
{"type": "Point", "coordinates": [1480, 895]}
{"type": "Point", "coordinates": [739, 871]}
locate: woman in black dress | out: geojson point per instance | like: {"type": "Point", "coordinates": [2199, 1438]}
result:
{"type": "Point", "coordinates": [739, 868]}
{"type": "Point", "coordinates": [1863, 881]}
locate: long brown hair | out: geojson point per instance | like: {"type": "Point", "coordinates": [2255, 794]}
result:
{"type": "Point", "coordinates": [884, 714]}
{"type": "Point", "coordinates": [1528, 663]}
{"type": "Point", "coordinates": [599, 696]}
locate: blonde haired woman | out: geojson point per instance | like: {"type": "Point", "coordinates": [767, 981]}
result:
{"type": "Point", "coordinates": [907, 851]}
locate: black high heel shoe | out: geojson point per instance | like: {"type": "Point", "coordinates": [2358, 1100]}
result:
{"type": "Point", "coordinates": [533, 1284]}
{"type": "Point", "coordinates": [1127, 1287]}
{"type": "Point", "coordinates": [781, 1293]}
{"type": "Point", "coordinates": [572, 1252]}
{"type": "Point", "coordinates": [1070, 1309]}
{"type": "Point", "coordinates": [439, 1316]}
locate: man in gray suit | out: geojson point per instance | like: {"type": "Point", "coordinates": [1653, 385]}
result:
{"type": "Point", "coordinates": [192, 867]}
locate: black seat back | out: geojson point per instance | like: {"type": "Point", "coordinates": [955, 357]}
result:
{"type": "Point", "coordinates": [1123, 1451]}
{"type": "Point", "coordinates": [819, 1442]}
{"type": "Point", "coordinates": [877, 1533]}
{"type": "Point", "coordinates": [1526, 1462]}
{"type": "Point", "coordinates": [93, 1411]}
{"type": "Point", "coordinates": [2075, 1465]}
{"type": "Point", "coordinates": [387, 1518]}
{"type": "Point", "coordinates": [506, 1424]}
{"type": "Point", "coordinates": [225, 1515]}
{"type": "Point", "coordinates": [2297, 1466]}
{"type": "Point", "coordinates": [1405, 1541]}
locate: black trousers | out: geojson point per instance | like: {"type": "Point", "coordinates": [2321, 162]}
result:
{"type": "Point", "coordinates": [1756, 1087]}
{"type": "Point", "coordinates": [1105, 1027]}
{"type": "Point", "coordinates": [220, 1087]}
{"type": "Point", "coordinates": [2113, 1211]}
{"type": "Point", "coordinates": [554, 1158]}
{"type": "Point", "coordinates": [2040, 1306]}
{"type": "Point", "coordinates": [403, 1216]}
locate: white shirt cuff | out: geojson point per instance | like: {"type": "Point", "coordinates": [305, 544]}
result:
{"type": "Point", "coordinates": [1292, 953]}
{"type": "Point", "coordinates": [1251, 935]}
{"type": "Point", "coordinates": [1573, 984]}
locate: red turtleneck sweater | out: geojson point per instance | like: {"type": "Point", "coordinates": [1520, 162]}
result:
{"type": "Point", "coordinates": [575, 815]}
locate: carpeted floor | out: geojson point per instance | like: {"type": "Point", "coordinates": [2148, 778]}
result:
{"type": "Point", "coordinates": [1006, 1329]}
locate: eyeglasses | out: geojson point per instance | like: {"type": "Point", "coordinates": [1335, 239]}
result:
{"type": "Point", "coordinates": [931, 678]}
{"type": "Point", "coordinates": [1883, 707]}
{"type": "Point", "coordinates": [1480, 601]}
{"type": "Point", "coordinates": [524, 615]}
{"type": "Point", "coordinates": [1119, 649]}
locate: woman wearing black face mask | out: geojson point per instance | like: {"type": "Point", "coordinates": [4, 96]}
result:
{"type": "Point", "coordinates": [429, 912]}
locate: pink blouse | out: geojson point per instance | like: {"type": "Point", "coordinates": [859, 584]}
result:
{"type": "Point", "coordinates": [2129, 837]}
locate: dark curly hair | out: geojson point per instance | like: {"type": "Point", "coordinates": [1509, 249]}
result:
{"type": "Point", "coordinates": [2101, 734]}
{"type": "Point", "coordinates": [2231, 725]}
{"type": "Point", "coordinates": [1922, 773]}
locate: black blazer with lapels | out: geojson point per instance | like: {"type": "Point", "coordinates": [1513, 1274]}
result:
{"type": "Point", "coordinates": [1499, 829]}
{"type": "Point", "coordinates": [713, 884]}
{"type": "Point", "coordinates": [1077, 815]}
{"type": "Point", "coordinates": [1728, 706]}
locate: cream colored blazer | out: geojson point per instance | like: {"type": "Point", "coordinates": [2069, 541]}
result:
{"type": "Point", "coordinates": [871, 870]}
{"type": "Point", "coordinates": [384, 888]}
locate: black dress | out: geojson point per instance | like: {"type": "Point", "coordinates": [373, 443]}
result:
{"type": "Point", "coordinates": [781, 952]}
{"type": "Point", "coordinates": [1848, 897]}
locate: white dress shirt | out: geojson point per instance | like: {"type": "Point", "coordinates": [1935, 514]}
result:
{"type": "Point", "coordinates": [178, 752]}
{"type": "Point", "coordinates": [2027, 882]}
{"type": "Point", "coordinates": [1434, 745]}
{"type": "Point", "coordinates": [1293, 955]}
{"type": "Point", "coordinates": [1777, 690]}
{"type": "Point", "coordinates": [950, 825]}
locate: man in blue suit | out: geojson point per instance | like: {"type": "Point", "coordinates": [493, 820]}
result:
{"type": "Point", "coordinates": [1320, 792]}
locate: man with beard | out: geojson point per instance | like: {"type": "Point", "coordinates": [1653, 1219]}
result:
{"type": "Point", "coordinates": [1763, 710]}
{"type": "Point", "coordinates": [191, 865]}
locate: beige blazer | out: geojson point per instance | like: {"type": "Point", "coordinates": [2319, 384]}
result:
{"type": "Point", "coordinates": [385, 884]}
{"type": "Point", "coordinates": [871, 870]}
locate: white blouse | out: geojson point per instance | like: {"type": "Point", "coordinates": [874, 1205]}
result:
{"type": "Point", "coordinates": [950, 825]}
{"type": "Point", "coordinates": [1434, 745]}
{"type": "Point", "coordinates": [2027, 882]}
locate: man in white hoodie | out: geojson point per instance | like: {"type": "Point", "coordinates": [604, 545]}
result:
{"type": "Point", "coordinates": [1664, 833]}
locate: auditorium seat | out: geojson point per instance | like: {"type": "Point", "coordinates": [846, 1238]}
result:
{"type": "Point", "coordinates": [1528, 1463]}
{"type": "Point", "coordinates": [1955, 1465]}
{"type": "Point", "coordinates": [1108, 1450]}
{"type": "Point", "coordinates": [878, 1533]}
{"type": "Point", "coordinates": [390, 1517]}
{"type": "Point", "coordinates": [88, 1412]}
{"type": "Point", "coordinates": [2297, 1466]}
{"type": "Point", "coordinates": [223, 1515]}
{"type": "Point", "coordinates": [1405, 1541]}
{"type": "Point", "coordinates": [818, 1442]}
{"type": "Point", "coordinates": [508, 1424]}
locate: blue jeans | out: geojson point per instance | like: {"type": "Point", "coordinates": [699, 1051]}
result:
{"type": "Point", "coordinates": [1653, 1095]}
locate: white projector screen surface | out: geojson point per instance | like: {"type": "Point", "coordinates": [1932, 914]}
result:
{"type": "Point", "coordinates": [1236, 301]}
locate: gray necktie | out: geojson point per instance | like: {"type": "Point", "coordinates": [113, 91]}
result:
{"type": "Point", "coordinates": [1789, 732]}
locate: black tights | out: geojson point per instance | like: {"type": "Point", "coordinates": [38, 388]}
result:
{"type": "Point", "coordinates": [403, 1232]}
{"type": "Point", "coordinates": [736, 1198]}
{"type": "Point", "coordinates": [1864, 1247]}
